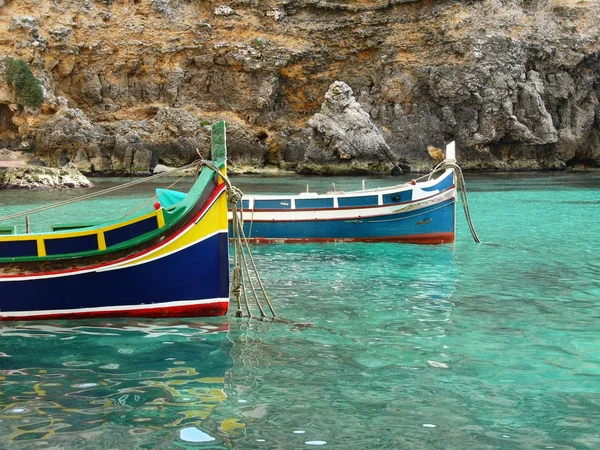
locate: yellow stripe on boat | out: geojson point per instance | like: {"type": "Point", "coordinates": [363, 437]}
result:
{"type": "Point", "coordinates": [41, 247]}
{"type": "Point", "coordinates": [101, 241]}
{"type": "Point", "coordinates": [86, 232]}
{"type": "Point", "coordinates": [160, 218]}
{"type": "Point", "coordinates": [213, 221]}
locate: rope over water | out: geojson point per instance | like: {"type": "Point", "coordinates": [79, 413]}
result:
{"type": "Point", "coordinates": [462, 190]}
{"type": "Point", "coordinates": [245, 273]}
{"type": "Point", "coordinates": [99, 193]}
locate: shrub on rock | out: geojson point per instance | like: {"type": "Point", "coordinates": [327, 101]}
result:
{"type": "Point", "coordinates": [26, 86]}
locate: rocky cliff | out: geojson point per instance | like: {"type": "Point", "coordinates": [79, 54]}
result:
{"type": "Point", "coordinates": [130, 84]}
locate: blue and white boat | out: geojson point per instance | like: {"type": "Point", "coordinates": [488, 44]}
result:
{"type": "Point", "coordinates": [422, 212]}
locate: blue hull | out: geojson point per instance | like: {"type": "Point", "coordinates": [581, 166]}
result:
{"type": "Point", "coordinates": [433, 224]}
{"type": "Point", "coordinates": [198, 272]}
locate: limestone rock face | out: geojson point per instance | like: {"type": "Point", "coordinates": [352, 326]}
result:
{"type": "Point", "coordinates": [516, 84]}
{"type": "Point", "coordinates": [343, 131]}
{"type": "Point", "coordinates": [70, 136]}
{"type": "Point", "coordinates": [42, 178]}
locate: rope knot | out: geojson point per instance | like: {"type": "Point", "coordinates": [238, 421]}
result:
{"type": "Point", "coordinates": [234, 195]}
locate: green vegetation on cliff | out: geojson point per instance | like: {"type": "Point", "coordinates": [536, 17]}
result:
{"type": "Point", "coordinates": [26, 86]}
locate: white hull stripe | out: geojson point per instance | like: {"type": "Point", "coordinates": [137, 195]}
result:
{"type": "Point", "coordinates": [151, 306]}
{"type": "Point", "coordinates": [346, 213]}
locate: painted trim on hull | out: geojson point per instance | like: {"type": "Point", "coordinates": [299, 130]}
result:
{"type": "Point", "coordinates": [188, 308]}
{"type": "Point", "coordinates": [430, 238]}
{"type": "Point", "coordinates": [296, 215]}
{"type": "Point", "coordinates": [185, 278]}
{"type": "Point", "coordinates": [424, 186]}
{"type": "Point", "coordinates": [84, 231]}
{"type": "Point", "coordinates": [131, 259]}
{"type": "Point", "coordinates": [346, 209]}
{"type": "Point", "coordinates": [399, 227]}
{"type": "Point", "coordinates": [103, 268]}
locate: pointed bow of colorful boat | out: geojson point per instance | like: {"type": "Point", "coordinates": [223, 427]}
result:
{"type": "Point", "coordinates": [173, 262]}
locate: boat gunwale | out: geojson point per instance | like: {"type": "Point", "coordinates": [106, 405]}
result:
{"type": "Point", "coordinates": [358, 193]}
{"type": "Point", "coordinates": [98, 259]}
{"type": "Point", "coordinates": [170, 218]}
{"type": "Point", "coordinates": [344, 208]}
{"type": "Point", "coordinates": [78, 232]}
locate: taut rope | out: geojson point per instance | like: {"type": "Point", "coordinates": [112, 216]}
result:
{"type": "Point", "coordinates": [99, 193]}
{"type": "Point", "coordinates": [154, 197]}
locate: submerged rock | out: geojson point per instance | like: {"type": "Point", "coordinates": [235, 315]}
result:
{"type": "Point", "coordinates": [42, 178]}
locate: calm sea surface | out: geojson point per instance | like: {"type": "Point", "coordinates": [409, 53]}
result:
{"type": "Point", "coordinates": [391, 346]}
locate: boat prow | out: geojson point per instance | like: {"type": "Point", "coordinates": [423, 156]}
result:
{"type": "Point", "coordinates": [172, 262]}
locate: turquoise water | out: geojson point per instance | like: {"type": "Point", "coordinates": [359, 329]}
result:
{"type": "Point", "coordinates": [392, 346]}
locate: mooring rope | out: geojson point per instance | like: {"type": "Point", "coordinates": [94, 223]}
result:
{"type": "Point", "coordinates": [99, 193]}
{"type": "Point", "coordinates": [254, 268]}
{"type": "Point", "coordinates": [242, 270]}
{"type": "Point", "coordinates": [462, 189]}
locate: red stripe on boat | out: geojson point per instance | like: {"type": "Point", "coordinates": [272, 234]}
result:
{"type": "Point", "coordinates": [202, 310]}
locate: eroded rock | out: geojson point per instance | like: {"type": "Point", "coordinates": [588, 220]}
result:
{"type": "Point", "coordinates": [42, 178]}
{"type": "Point", "coordinates": [343, 131]}
{"type": "Point", "coordinates": [71, 137]}
{"type": "Point", "coordinates": [511, 83]}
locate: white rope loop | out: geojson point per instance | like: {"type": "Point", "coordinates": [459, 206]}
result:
{"type": "Point", "coordinates": [234, 195]}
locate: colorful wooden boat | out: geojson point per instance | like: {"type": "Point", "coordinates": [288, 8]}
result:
{"type": "Point", "coordinates": [422, 212]}
{"type": "Point", "coordinates": [172, 262]}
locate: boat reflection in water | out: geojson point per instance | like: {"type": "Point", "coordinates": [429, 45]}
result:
{"type": "Point", "coordinates": [119, 384]}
